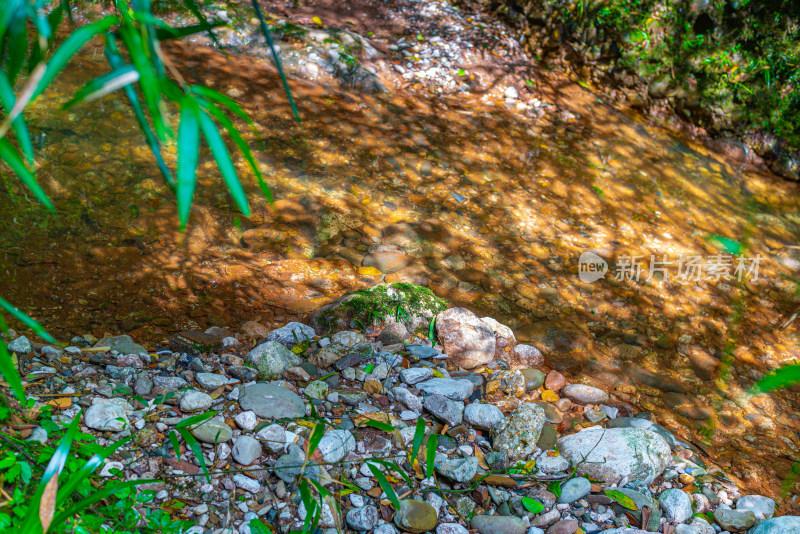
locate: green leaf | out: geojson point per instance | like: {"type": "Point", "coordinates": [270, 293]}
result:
{"type": "Point", "coordinates": [783, 377]}
{"type": "Point", "coordinates": [226, 168]}
{"type": "Point", "coordinates": [10, 374]}
{"type": "Point", "coordinates": [725, 243]}
{"type": "Point", "coordinates": [16, 47]}
{"type": "Point", "coordinates": [621, 498]}
{"type": "Point", "coordinates": [176, 445]}
{"type": "Point", "coordinates": [193, 7]}
{"type": "Point", "coordinates": [432, 332]}
{"type": "Point", "coordinates": [88, 501]}
{"type": "Point", "coordinates": [218, 97]}
{"type": "Point", "coordinates": [430, 454]}
{"type": "Point", "coordinates": [195, 419]}
{"type": "Point", "coordinates": [385, 486]}
{"type": "Point", "coordinates": [380, 425]}
{"type": "Point", "coordinates": [198, 453]}
{"type": "Point", "coordinates": [103, 85]}
{"type": "Point", "coordinates": [532, 505]}
{"type": "Point", "coordinates": [68, 486]}
{"type": "Point", "coordinates": [12, 158]}
{"type": "Point", "coordinates": [69, 48]}
{"type": "Point", "coordinates": [310, 504]}
{"type": "Point", "coordinates": [8, 99]}
{"type": "Point", "coordinates": [369, 368]}
{"type": "Point", "coordinates": [419, 434]}
{"type": "Point", "coordinates": [169, 32]}
{"type": "Point", "coordinates": [27, 321]}
{"type": "Point", "coordinates": [555, 488]}
{"type": "Point", "coordinates": [462, 72]}
{"type": "Point", "coordinates": [188, 153]}
{"type": "Point", "coordinates": [316, 436]}
{"type": "Point", "coordinates": [259, 527]}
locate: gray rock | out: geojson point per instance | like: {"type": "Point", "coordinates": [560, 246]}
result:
{"type": "Point", "coordinates": [292, 334]}
{"type": "Point", "coordinates": [386, 528]}
{"type": "Point", "coordinates": [273, 436]}
{"type": "Point", "coordinates": [212, 431]}
{"type": "Point", "coordinates": [551, 464]}
{"type": "Point", "coordinates": [518, 434]}
{"type": "Point", "coordinates": [21, 345]}
{"type": "Point", "coordinates": [422, 352]}
{"type": "Point", "coordinates": [246, 420]}
{"type": "Point", "coordinates": [211, 381]}
{"type": "Point", "coordinates": [271, 360]}
{"type": "Point", "coordinates": [408, 399]}
{"type": "Point", "coordinates": [687, 529]}
{"type": "Point", "coordinates": [498, 524]}
{"type": "Point", "coordinates": [762, 507]}
{"type": "Point", "coordinates": [288, 466]}
{"type": "Point", "coordinates": [615, 453]}
{"type": "Point", "coordinates": [362, 518]}
{"type": "Point", "coordinates": [485, 416]}
{"type": "Point", "coordinates": [143, 386]}
{"type": "Point", "coordinates": [638, 422]}
{"type": "Point", "coordinates": [415, 516]}
{"type": "Point", "coordinates": [451, 528]}
{"type": "Point", "coordinates": [106, 416]}
{"type": "Point", "coordinates": [449, 411]}
{"type": "Point", "coordinates": [393, 333]}
{"type": "Point", "coordinates": [583, 394]}
{"type": "Point", "coordinates": [415, 375]}
{"type": "Point", "coordinates": [326, 520]}
{"type": "Point", "coordinates": [271, 402]}
{"type": "Point", "coordinates": [704, 526]}
{"type": "Point", "coordinates": [787, 524]}
{"type": "Point", "coordinates": [246, 450]}
{"type": "Point", "coordinates": [170, 383]}
{"type": "Point", "coordinates": [459, 469]}
{"type": "Point", "coordinates": [348, 338]}
{"type": "Point", "coordinates": [574, 489]}
{"type": "Point", "coordinates": [455, 389]}
{"type": "Point", "coordinates": [246, 483]}
{"type": "Point", "coordinates": [734, 520]}
{"type": "Point", "coordinates": [194, 401]}
{"type": "Point", "coordinates": [336, 444]}
{"type": "Point", "coordinates": [676, 505]}
{"type": "Point", "coordinates": [317, 389]}
{"type": "Point", "coordinates": [467, 341]}
{"type": "Point", "coordinates": [528, 355]}
{"type": "Point", "coordinates": [625, 530]}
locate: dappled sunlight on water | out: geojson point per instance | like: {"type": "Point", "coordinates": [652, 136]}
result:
{"type": "Point", "coordinates": [489, 208]}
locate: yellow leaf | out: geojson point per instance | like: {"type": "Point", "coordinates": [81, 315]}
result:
{"type": "Point", "coordinates": [47, 505]}
{"type": "Point", "coordinates": [317, 21]}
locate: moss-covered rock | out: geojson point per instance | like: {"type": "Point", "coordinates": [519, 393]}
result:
{"type": "Point", "coordinates": [414, 306]}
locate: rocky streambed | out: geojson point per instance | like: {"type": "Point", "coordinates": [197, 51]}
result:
{"type": "Point", "coordinates": [503, 443]}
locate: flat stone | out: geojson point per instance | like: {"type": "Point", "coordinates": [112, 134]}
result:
{"type": "Point", "coordinates": [498, 524]}
{"type": "Point", "coordinates": [762, 507]}
{"type": "Point", "coordinates": [734, 520]}
{"type": "Point", "coordinates": [292, 334]}
{"type": "Point", "coordinates": [615, 453]}
{"type": "Point", "coordinates": [455, 389]}
{"type": "Point", "coordinates": [246, 450]}
{"type": "Point", "coordinates": [415, 375]}
{"type": "Point", "coordinates": [449, 411]}
{"type": "Point", "coordinates": [638, 422]}
{"type": "Point", "coordinates": [211, 381]}
{"type": "Point", "coordinates": [273, 436]}
{"type": "Point", "coordinates": [246, 483]}
{"type": "Point", "coordinates": [574, 489]}
{"type": "Point", "coordinates": [407, 399]}
{"type": "Point", "coordinates": [170, 383]}
{"type": "Point", "coordinates": [415, 516]}
{"type": "Point", "coordinates": [212, 431]}
{"type": "Point", "coordinates": [484, 416]}
{"type": "Point", "coordinates": [194, 401]}
{"type": "Point", "coordinates": [467, 341]}
{"type": "Point", "coordinates": [271, 402]}
{"type": "Point", "coordinates": [583, 394]}
{"type": "Point", "coordinates": [518, 435]}
{"type": "Point", "coordinates": [386, 261]}
{"type": "Point", "coordinates": [787, 524]}
{"type": "Point", "coordinates": [422, 352]}
{"type": "Point", "coordinates": [21, 345]}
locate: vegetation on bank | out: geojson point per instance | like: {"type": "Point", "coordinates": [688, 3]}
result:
{"type": "Point", "coordinates": [732, 67]}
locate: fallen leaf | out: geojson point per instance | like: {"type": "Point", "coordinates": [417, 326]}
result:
{"type": "Point", "coordinates": [317, 21]}
{"type": "Point", "coordinates": [47, 504]}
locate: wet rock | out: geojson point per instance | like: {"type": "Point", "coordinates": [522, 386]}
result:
{"type": "Point", "coordinates": [21, 345]}
{"type": "Point", "coordinates": [291, 334]}
{"type": "Point", "coordinates": [466, 340]}
{"type": "Point", "coordinates": [734, 520]}
{"type": "Point", "coordinates": [458, 469]}
{"type": "Point", "coordinates": [362, 518]}
{"type": "Point", "coordinates": [336, 444]}
{"type": "Point", "coordinates": [788, 524]}
{"type": "Point", "coordinates": [484, 416]}
{"type": "Point", "coordinates": [455, 389]}
{"type": "Point", "coordinates": [638, 422]}
{"type": "Point", "coordinates": [533, 378]}
{"type": "Point", "coordinates": [583, 394]}
{"type": "Point", "coordinates": [505, 384]}
{"type": "Point", "coordinates": [386, 261]}
{"type": "Point", "coordinates": [393, 333]}
{"type": "Point", "coordinates": [449, 411]}
{"type": "Point", "coordinates": [554, 381]}
{"type": "Point", "coordinates": [528, 355]}
{"type": "Point", "coordinates": [616, 453]}
{"type": "Point", "coordinates": [194, 401]}
{"type": "Point", "coordinates": [676, 505]}
{"type": "Point", "coordinates": [518, 434]}
{"type": "Point", "coordinates": [498, 524]}
{"type": "Point", "coordinates": [271, 402]}
{"type": "Point", "coordinates": [566, 350]}
{"type": "Point", "coordinates": [212, 431]}
{"type": "Point", "coordinates": [246, 450]}
{"type": "Point", "coordinates": [762, 507]}
{"type": "Point", "coordinates": [574, 489]}
{"type": "Point", "coordinates": [106, 416]}
{"type": "Point", "coordinates": [687, 406]}
{"type": "Point", "coordinates": [271, 360]}
{"type": "Point", "coordinates": [415, 516]}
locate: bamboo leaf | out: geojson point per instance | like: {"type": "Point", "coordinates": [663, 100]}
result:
{"type": "Point", "coordinates": [74, 480]}
{"type": "Point", "coordinates": [226, 168]}
{"type": "Point", "coordinates": [88, 501]}
{"type": "Point", "coordinates": [385, 486]}
{"type": "Point", "coordinates": [8, 99]}
{"type": "Point", "coordinates": [169, 32]}
{"type": "Point", "coordinates": [394, 467]}
{"type": "Point", "coordinates": [9, 372]}
{"type": "Point", "coordinates": [195, 10]}
{"type": "Point", "coordinates": [783, 377]}
{"type": "Point", "coordinates": [218, 97]}
{"type": "Point", "coordinates": [195, 419]}
{"type": "Point", "coordinates": [198, 453]}
{"type": "Point", "coordinates": [419, 434]}
{"type": "Point", "coordinates": [188, 152]}
{"type": "Point", "coordinates": [176, 446]}
{"type": "Point", "coordinates": [103, 85]}
{"type": "Point", "coordinates": [430, 454]}
{"type": "Point", "coordinates": [380, 425]}
{"type": "Point", "coordinates": [316, 436]}
{"type": "Point", "coordinates": [12, 158]}
{"type": "Point", "coordinates": [27, 321]}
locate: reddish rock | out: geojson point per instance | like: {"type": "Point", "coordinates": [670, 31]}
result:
{"type": "Point", "coordinates": [467, 341]}
{"type": "Point", "coordinates": [554, 381]}
{"type": "Point", "coordinates": [254, 329]}
{"type": "Point", "coordinates": [387, 261]}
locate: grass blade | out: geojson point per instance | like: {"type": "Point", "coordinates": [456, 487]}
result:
{"type": "Point", "coordinates": [385, 486]}
{"type": "Point", "coordinates": [176, 446]}
{"type": "Point", "coordinates": [27, 321]}
{"type": "Point", "coordinates": [394, 467]}
{"type": "Point", "coordinates": [386, 427]}
{"type": "Point", "coordinates": [226, 168]}
{"type": "Point", "coordinates": [188, 152]}
{"type": "Point", "coordinates": [12, 158]}
{"type": "Point", "coordinates": [88, 468]}
{"type": "Point", "coordinates": [8, 99]}
{"type": "Point", "coordinates": [17, 46]}
{"type": "Point", "coordinates": [10, 373]}
{"type": "Point", "coordinates": [219, 98]}
{"type": "Point", "coordinates": [165, 34]}
{"type": "Point", "coordinates": [192, 6]}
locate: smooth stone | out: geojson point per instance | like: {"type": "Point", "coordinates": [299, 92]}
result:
{"type": "Point", "coordinates": [246, 420]}
{"type": "Point", "coordinates": [106, 416]}
{"type": "Point", "coordinates": [528, 355]}
{"type": "Point", "coordinates": [449, 411]}
{"type": "Point", "coordinates": [271, 402]}
{"type": "Point", "coordinates": [762, 507]}
{"type": "Point", "coordinates": [415, 516]}
{"type": "Point", "coordinates": [615, 453]}
{"type": "Point", "coordinates": [484, 416]}
{"type": "Point", "coordinates": [415, 375]}
{"type": "Point", "coordinates": [393, 333]}
{"type": "Point", "coordinates": [288, 466]}
{"type": "Point", "coordinates": [271, 360]}
{"type": "Point", "coordinates": [467, 341]}
{"type": "Point", "coordinates": [212, 431]}
{"type": "Point", "coordinates": [787, 524]}
{"type": "Point", "coordinates": [246, 450]}
{"type": "Point", "coordinates": [292, 333]}
{"type": "Point", "coordinates": [459, 469]}
{"type": "Point", "coordinates": [565, 526]}
{"type": "Point", "coordinates": [169, 383]}
{"type": "Point", "coordinates": [211, 381]}
{"type": "Point", "coordinates": [246, 483]}
{"type": "Point", "coordinates": [451, 528]}
{"type": "Point", "coordinates": [583, 394]}
{"type": "Point", "coordinates": [534, 378]}
{"type": "Point", "coordinates": [455, 389]}
{"type": "Point", "coordinates": [326, 518]}
{"type": "Point", "coordinates": [386, 261]}
{"type": "Point", "coordinates": [422, 352]}
{"type": "Point", "coordinates": [676, 505]}
{"type": "Point", "coordinates": [194, 401]}
{"type": "Point", "coordinates": [362, 518]}
{"type": "Point", "coordinates": [336, 444]}
{"type": "Point", "coordinates": [574, 489]}
{"type": "Point", "coordinates": [498, 524]}
{"type": "Point", "coordinates": [638, 422]}
{"type": "Point", "coordinates": [734, 520]}
{"type": "Point", "coordinates": [518, 435]}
